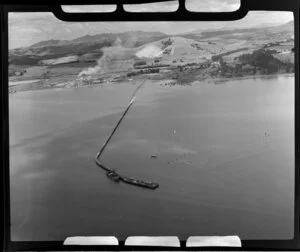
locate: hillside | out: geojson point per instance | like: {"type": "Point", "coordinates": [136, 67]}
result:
{"type": "Point", "coordinates": [91, 45]}
{"type": "Point", "coordinates": [185, 57]}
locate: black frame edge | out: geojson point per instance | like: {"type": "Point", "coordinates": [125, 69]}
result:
{"type": "Point", "coordinates": [250, 245]}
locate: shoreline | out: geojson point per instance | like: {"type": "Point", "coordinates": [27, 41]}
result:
{"type": "Point", "coordinates": [258, 76]}
{"type": "Point", "coordinates": [40, 88]}
{"type": "Point", "coordinates": [211, 80]}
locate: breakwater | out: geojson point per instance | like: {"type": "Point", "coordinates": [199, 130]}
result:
{"type": "Point", "coordinates": [111, 173]}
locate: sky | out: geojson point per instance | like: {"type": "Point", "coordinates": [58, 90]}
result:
{"type": "Point", "coordinates": [28, 28]}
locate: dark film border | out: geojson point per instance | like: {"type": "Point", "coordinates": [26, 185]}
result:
{"type": "Point", "coordinates": [120, 15]}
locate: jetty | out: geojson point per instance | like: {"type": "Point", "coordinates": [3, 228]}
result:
{"type": "Point", "coordinates": [111, 173]}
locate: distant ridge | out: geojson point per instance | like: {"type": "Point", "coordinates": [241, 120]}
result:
{"type": "Point", "coordinates": [138, 37]}
{"type": "Point", "coordinates": [226, 30]}
{"type": "Point", "coordinates": [130, 38]}
{"type": "Point", "coordinates": [50, 42]}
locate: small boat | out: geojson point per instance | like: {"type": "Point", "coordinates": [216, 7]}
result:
{"type": "Point", "coordinates": [132, 181]}
{"type": "Point", "coordinates": [113, 176]}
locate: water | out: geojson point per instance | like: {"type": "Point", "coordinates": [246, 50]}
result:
{"type": "Point", "coordinates": [225, 161]}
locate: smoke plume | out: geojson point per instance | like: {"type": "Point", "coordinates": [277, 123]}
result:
{"type": "Point", "coordinates": [102, 63]}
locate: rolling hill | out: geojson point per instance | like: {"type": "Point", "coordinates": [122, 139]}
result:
{"type": "Point", "coordinates": [139, 44]}
{"type": "Point", "coordinates": [91, 45]}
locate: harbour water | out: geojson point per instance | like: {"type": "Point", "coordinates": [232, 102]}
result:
{"type": "Point", "coordinates": [223, 156]}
